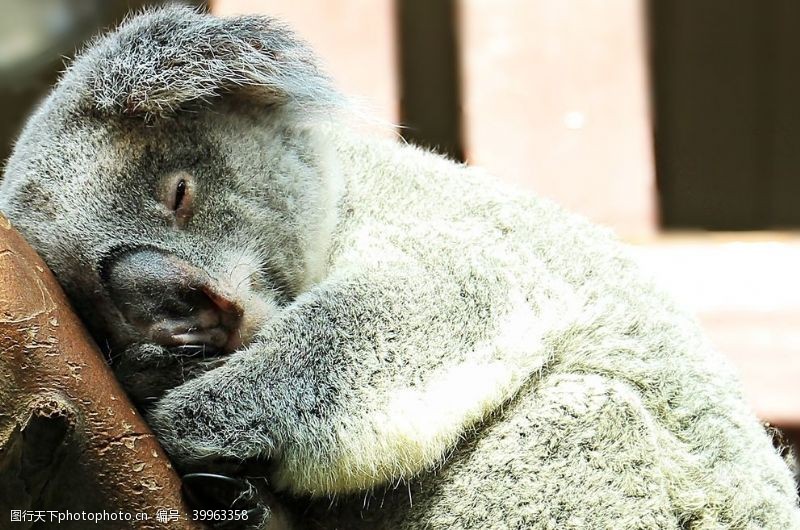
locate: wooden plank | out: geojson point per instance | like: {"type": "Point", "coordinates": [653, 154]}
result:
{"type": "Point", "coordinates": [429, 75]}
{"type": "Point", "coordinates": [784, 192]}
{"type": "Point", "coordinates": [710, 125]}
{"type": "Point", "coordinates": [555, 100]}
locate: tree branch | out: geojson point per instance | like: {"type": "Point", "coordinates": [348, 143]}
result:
{"type": "Point", "coordinates": [70, 440]}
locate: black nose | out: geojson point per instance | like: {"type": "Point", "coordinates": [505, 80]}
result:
{"type": "Point", "coordinates": [170, 301]}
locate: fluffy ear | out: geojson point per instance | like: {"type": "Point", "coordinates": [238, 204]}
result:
{"type": "Point", "coordinates": [165, 59]}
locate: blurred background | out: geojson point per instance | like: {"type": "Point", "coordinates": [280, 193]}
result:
{"type": "Point", "coordinates": [676, 122]}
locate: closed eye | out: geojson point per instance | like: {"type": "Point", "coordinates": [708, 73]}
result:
{"type": "Point", "coordinates": [179, 192]}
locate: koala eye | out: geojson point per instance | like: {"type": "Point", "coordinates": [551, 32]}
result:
{"type": "Point", "coordinates": [180, 193]}
{"type": "Point", "coordinates": [178, 197]}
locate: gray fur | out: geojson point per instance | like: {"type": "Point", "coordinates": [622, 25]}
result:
{"type": "Point", "coordinates": [157, 63]}
{"type": "Point", "coordinates": [431, 349]}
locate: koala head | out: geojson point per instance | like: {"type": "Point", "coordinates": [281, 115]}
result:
{"type": "Point", "coordinates": [173, 180]}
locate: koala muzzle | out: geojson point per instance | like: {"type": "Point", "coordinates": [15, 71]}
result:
{"type": "Point", "coordinates": [171, 302]}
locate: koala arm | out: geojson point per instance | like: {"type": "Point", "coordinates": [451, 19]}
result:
{"type": "Point", "coordinates": [370, 377]}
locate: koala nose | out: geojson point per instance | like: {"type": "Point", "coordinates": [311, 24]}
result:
{"type": "Point", "coordinates": [172, 302]}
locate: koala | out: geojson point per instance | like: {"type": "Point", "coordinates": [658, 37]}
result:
{"type": "Point", "coordinates": [369, 334]}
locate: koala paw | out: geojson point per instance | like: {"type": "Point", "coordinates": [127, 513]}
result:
{"type": "Point", "coordinates": [147, 371]}
{"type": "Point", "coordinates": [238, 497]}
{"type": "Point", "coordinates": [215, 416]}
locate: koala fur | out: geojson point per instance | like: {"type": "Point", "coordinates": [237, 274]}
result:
{"type": "Point", "coordinates": [416, 345]}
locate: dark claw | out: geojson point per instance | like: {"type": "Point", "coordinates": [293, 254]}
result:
{"type": "Point", "coordinates": [146, 403]}
{"type": "Point", "coordinates": [254, 514]}
{"type": "Point", "coordinates": [231, 481]}
{"type": "Point", "coordinates": [212, 491]}
{"type": "Point", "coordinates": [193, 350]}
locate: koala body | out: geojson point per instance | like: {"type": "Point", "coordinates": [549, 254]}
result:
{"type": "Point", "coordinates": [402, 341]}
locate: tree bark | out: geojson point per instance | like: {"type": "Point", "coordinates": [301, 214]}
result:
{"type": "Point", "coordinates": [70, 440]}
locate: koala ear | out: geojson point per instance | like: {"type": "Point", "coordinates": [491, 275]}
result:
{"type": "Point", "coordinates": [165, 59]}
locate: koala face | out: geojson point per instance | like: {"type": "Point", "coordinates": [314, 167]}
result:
{"type": "Point", "coordinates": [175, 208]}
{"type": "Point", "coordinates": [143, 224]}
